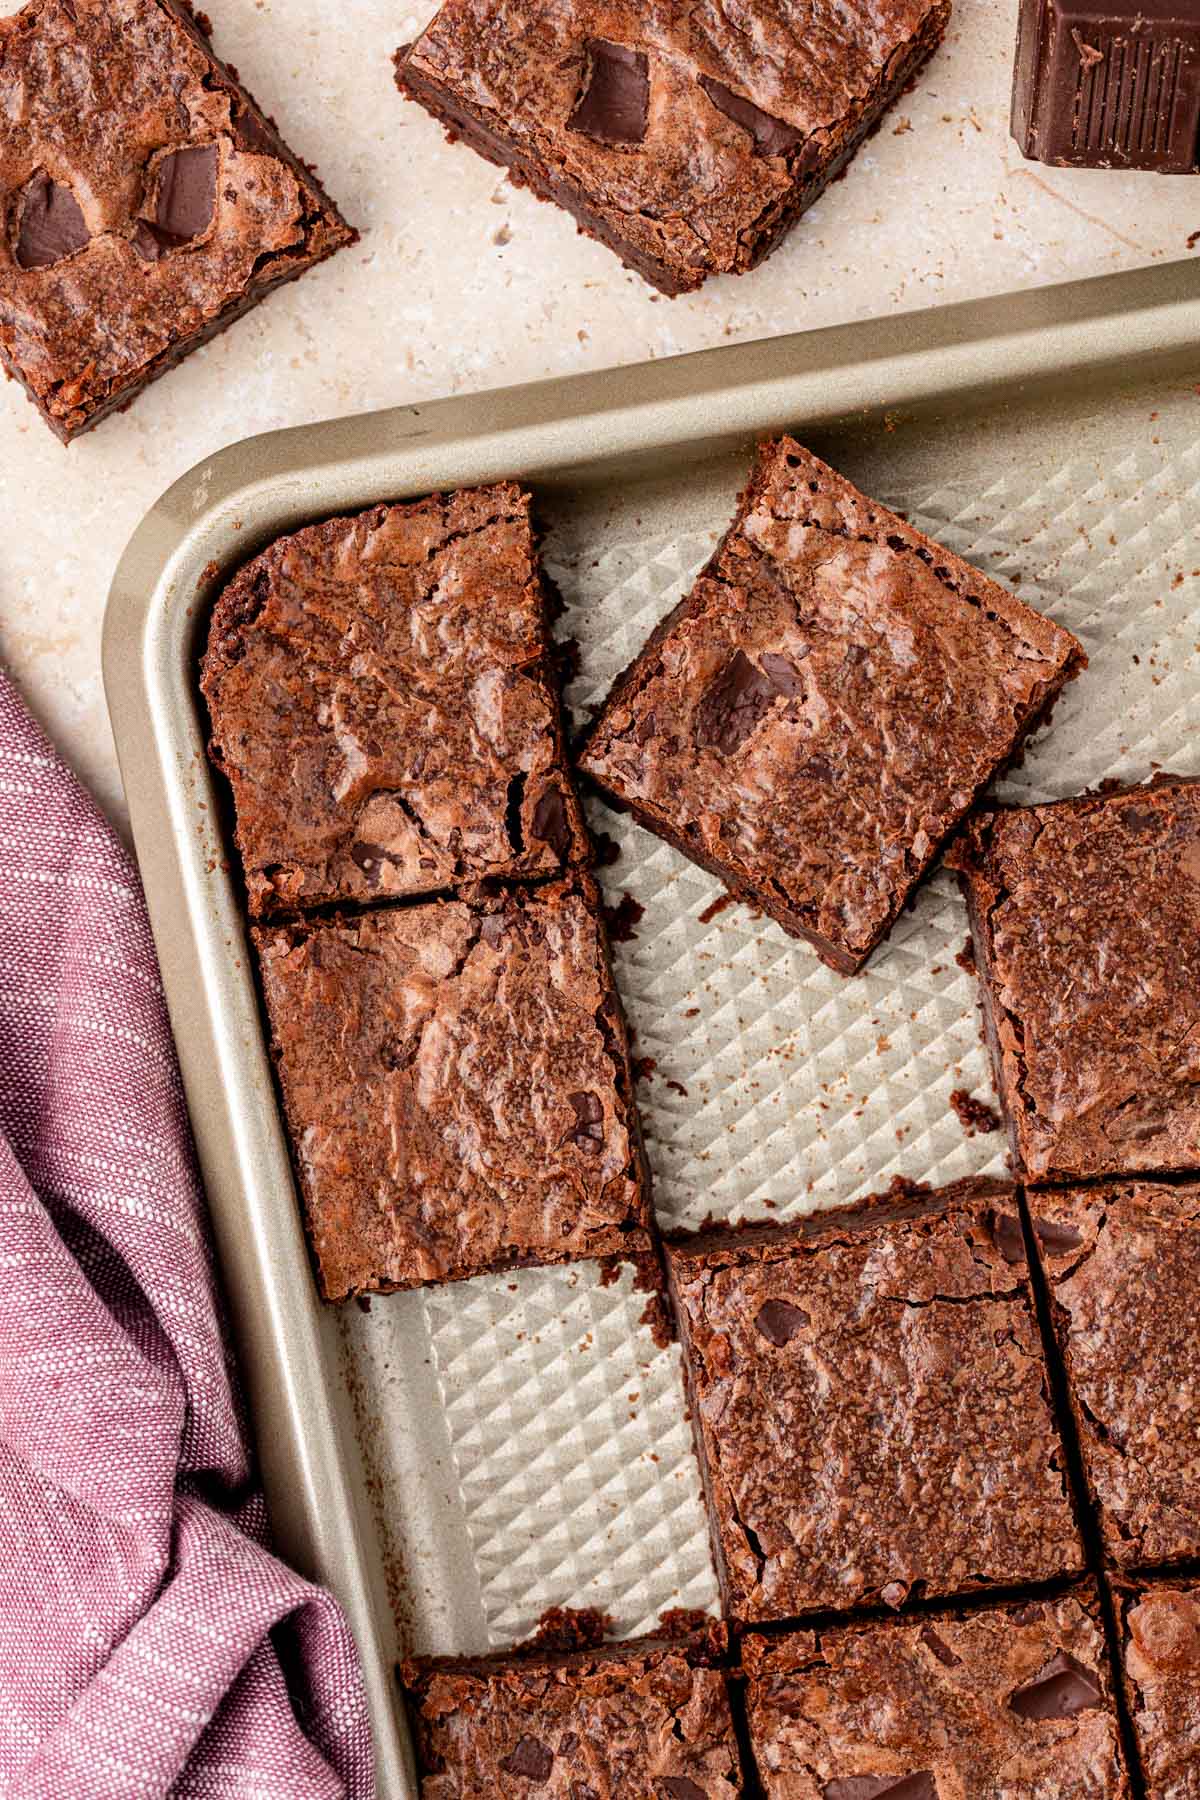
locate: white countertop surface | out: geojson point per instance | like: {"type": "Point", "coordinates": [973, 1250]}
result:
{"type": "Point", "coordinates": [462, 282]}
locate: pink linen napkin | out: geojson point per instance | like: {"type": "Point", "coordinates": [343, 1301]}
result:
{"type": "Point", "coordinates": [150, 1644]}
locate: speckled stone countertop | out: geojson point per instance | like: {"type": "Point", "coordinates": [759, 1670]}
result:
{"type": "Point", "coordinates": [462, 282]}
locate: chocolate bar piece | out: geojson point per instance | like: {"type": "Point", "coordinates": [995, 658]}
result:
{"type": "Point", "coordinates": [1112, 86]}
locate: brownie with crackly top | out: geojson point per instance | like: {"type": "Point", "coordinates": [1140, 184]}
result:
{"type": "Point", "coordinates": [457, 1086]}
{"type": "Point", "coordinates": [384, 705]}
{"type": "Point", "coordinates": [1085, 920]}
{"type": "Point", "coordinates": [824, 707]}
{"type": "Point", "coordinates": [1009, 1700]}
{"type": "Point", "coordinates": [145, 201]}
{"type": "Point", "coordinates": [871, 1405]}
{"type": "Point", "coordinates": [648, 1718]}
{"type": "Point", "coordinates": [1122, 1264]}
{"type": "Point", "coordinates": [688, 140]}
{"type": "Point", "coordinates": [1159, 1635]}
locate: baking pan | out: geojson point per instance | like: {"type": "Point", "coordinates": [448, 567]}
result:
{"type": "Point", "coordinates": [451, 1462]}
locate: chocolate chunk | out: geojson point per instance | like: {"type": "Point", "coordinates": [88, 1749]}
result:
{"type": "Point", "coordinates": [550, 821]}
{"type": "Point", "coordinates": [734, 704]}
{"type": "Point", "coordinates": [531, 1758]}
{"type": "Point", "coordinates": [187, 193]}
{"type": "Point", "coordinates": [869, 1787]}
{"type": "Point", "coordinates": [588, 1131]}
{"type": "Point", "coordinates": [1055, 1238]}
{"type": "Point", "coordinates": [939, 1648]}
{"type": "Point", "coordinates": [1062, 1689]}
{"type": "Point", "coordinates": [252, 134]}
{"type": "Point", "coordinates": [491, 929]}
{"type": "Point", "coordinates": [680, 1788]}
{"type": "Point", "coordinates": [614, 105]}
{"type": "Point", "coordinates": [1110, 84]}
{"type": "Point", "coordinates": [52, 226]}
{"type": "Point", "coordinates": [783, 672]}
{"type": "Point", "coordinates": [772, 137]}
{"type": "Point", "coordinates": [1010, 1240]}
{"type": "Point", "coordinates": [779, 1321]}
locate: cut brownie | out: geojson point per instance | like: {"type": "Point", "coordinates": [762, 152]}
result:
{"type": "Point", "coordinates": [1085, 916]}
{"type": "Point", "coordinates": [823, 708]}
{"type": "Point", "coordinates": [147, 202]}
{"type": "Point", "coordinates": [384, 705]}
{"type": "Point", "coordinates": [456, 1079]}
{"type": "Point", "coordinates": [641, 1718]}
{"type": "Point", "coordinates": [1123, 1267]}
{"type": "Point", "coordinates": [687, 140]}
{"type": "Point", "coordinates": [871, 1405]}
{"type": "Point", "coordinates": [1159, 1629]}
{"type": "Point", "coordinates": [1017, 1700]}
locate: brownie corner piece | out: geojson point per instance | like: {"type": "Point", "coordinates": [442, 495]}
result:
{"type": "Point", "coordinates": [456, 1082]}
{"type": "Point", "coordinates": [384, 704]}
{"type": "Point", "coordinates": [1011, 1699]}
{"type": "Point", "coordinates": [1158, 1631]}
{"type": "Point", "coordinates": [687, 143]}
{"type": "Point", "coordinates": [645, 1716]}
{"type": "Point", "coordinates": [1122, 1267]}
{"type": "Point", "coordinates": [818, 715]}
{"type": "Point", "coordinates": [1085, 920]}
{"type": "Point", "coordinates": [148, 202]}
{"type": "Point", "coordinates": [872, 1406]}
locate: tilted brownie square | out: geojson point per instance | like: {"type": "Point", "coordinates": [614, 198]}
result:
{"type": "Point", "coordinates": [688, 140]}
{"type": "Point", "coordinates": [1085, 917]}
{"type": "Point", "coordinates": [1123, 1267]}
{"type": "Point", "coordinates": [871, 1405]}
{"type": "Point", "coordinates": [147, 202]}
{"type": "Point", "coordinates": [1159, 1633]}
{"type": "Point", "coordinates": [1015, 1700]}
{"type": "Point", "coordinates": [384, 704]}
{"type": "Point", "coordinates": [456, 1080]}
{"type": "Point", "coordinates": [616, 1723]}
{"type": "Point", "coordinates": [824, 707]}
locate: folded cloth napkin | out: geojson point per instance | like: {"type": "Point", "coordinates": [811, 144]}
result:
{"type": "Point", "coordinates": [150, 1644]}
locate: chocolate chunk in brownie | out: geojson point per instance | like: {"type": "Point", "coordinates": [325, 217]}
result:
{"type": "Point", "coordinates": [384, 704]}
{"type": "Point", "coordinates": [687, 140]}
{"type": "Point", "coordinates": [637, 1719]}
{"type": "Point", "coordinates": [1015, 1700]}
{"type": "Point", "coordinates": [1123, 1267]}
{"type": "Point", "coordinates": [821, 711]}
{"type": "Point", "coordinates": [1159, 1632]}
{"type": "Point", "coordinates": [1085, 916]}
{"type": "Point", "coordinates": [871, 1405]}
{"type": "Point", "coordinates": [456, 1081]}
{"type": "Point", "coordinates": [147, 202]}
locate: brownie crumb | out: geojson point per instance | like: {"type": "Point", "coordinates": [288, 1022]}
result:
{"type": "Point", "coordinates": [683, 1621]}
{"type": "Point", "coordinates": [623, 918]}
{"type": "Point", "coordinates": [364, 1302]}
{"type": "Point", "coordinates": [566, 1628]}
{"type": "Point", "coordinates": [644, 1067]}
{"type": "Point", "coordinates": [656, 1317]}
{"type": "Point", "coordinates": [974, 1115]}
{"type": "Point", "coordinates": [966, 957]}
{"type": "Point", "coordinates": [714, 907]}
{"type": "Point", "coordinates": [566, 660]}
{"type": "Point", "coordinates": [607, 849]}
{"type": "Point", "coordinates": [678, 1087]}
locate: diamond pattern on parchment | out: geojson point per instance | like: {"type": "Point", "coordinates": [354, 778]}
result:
{"type": "Point", "coordinates": [567, 1426]}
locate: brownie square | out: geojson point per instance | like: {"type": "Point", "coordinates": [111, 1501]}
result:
{"type": "Point", "coordinates": [1159, 1631]}
{"type": "Point", "coordinates": [1085, 917]}
{"type": "Point", "coordinates": [1014, 1700]}
{"type": "Point", "coordinates": [871, 1405]}
{"type": "Point", "coordinates": [384, 704]}
{"type": "Point", "coordinates": [456, 1080]}
{"type": "Point", "coordinates": [640, 1718]}
{"type": "Point", "coordinates": [147, 202]}
{"type": "Point", "coordinates": [821, 711]}
{"type": "Point", "coordinates": [687, 141]}
{"type": "Point", "coordinates": [1122, 1263]}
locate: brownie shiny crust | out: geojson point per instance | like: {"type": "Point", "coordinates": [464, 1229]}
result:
{"type": "Point", "coordinates": [457, 1086]}
{"type": "Point", "coordinates": [384, 706]}
{"type": "Point", "coordinates": [1016, 1700]}
{"type": "Point", "coordinates": [1160, 1656]}
{"type": "Point", "coordinates": [687, 139]}
{"type": "Point", "coordinates": [616, 1723]}
{"type": "Point", "coordinates": [821, 711]}
{"type": "Point", "coordinates": [1085, 916]}
{"type": "Point", "coordinates": [146, 201]}
{"type": "Point", "coordinates": [871, 1405]}
{"type": "Point", "coordinates": [1123, 1266]}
